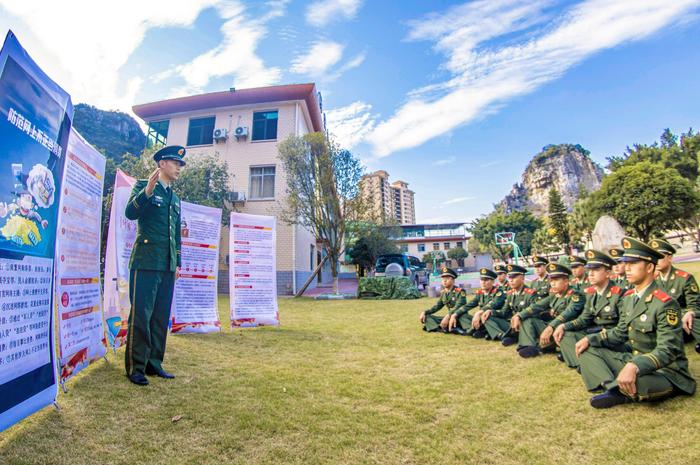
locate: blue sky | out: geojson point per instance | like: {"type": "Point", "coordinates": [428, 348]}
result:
{"type": "Point", "coordinates": [452, 97]}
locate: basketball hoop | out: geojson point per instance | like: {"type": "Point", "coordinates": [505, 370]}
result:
{"type": "Point", "coordinates": [505, 238]}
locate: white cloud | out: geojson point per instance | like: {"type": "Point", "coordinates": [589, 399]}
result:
{"type": "Point", "coordinates": [484, 77]}
{"type": "Point", "coordinates": [82, 46]}
{"type": "Point", "coordinates": [457, 200]}
{"type": "Point", "coordinates": [319, 59]}
{"type": "Point", "coordinates": [322, 12]}
{"type": "Point", "coordinates": [444, 161]}
{"type": "Point", "coordinates": [236, 54]}
{"type": "Point", "coordinates": [350, 124]}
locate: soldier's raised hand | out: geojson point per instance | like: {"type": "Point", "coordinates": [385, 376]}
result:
{"type": "Point", "coordinates": [152, 180]}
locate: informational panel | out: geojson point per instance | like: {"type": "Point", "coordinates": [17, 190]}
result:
{"type": "Point", "coordinates": [35, 123]}
{"type": "Point", "coordinates": [81, 337]}
{"type": "Point", "coordinates": [120, 240]}
{"type": "Point", "coordinates": [252, 270]}
{"type": "Point", "coordinates": [195, 308]}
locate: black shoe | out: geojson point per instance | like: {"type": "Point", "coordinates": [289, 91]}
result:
{"type": "Point", "coordinates": [160, 373]}
{"type": "Point", "coordinates": [697, 348]}
{"type": "Point", "coordinates": [508, 341]}
{"type": "Point", "coordinates": [488, 337]}
{"type": "Point", "coordinates": [470, 331]}
{"type": "Point", "coordinates": [550, 349]}
{"type": "Point", "coordinates": [529, 351]}
{"type": "Point", "coordinates": [609, 399]}
{"type": "Point", "coordinates": [138, 378]}
{"type": "Point", "coordinates": [560, 357]}
{"type": "Point", "coordinates": [479, 334]}
{"type": "Point", "coordinates": [458, 330]}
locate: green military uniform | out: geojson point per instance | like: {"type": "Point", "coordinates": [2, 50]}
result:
{"type": "Point", "coordinates": [680, 285]}
{"type": "Point", "coordinates": [650, 324]}
{"type": "Point", "coordinates": [540, 285]}
{"type": "Point", "coordinates": [601, 310]}
{"type": "Point", "coordinates": [498, 324]}
{"type": "Point", "coordinates": [576, 283]}
{"type": "Point", "coordinates": [482, 299]}
{"type": "Point", "coordinates": [452, 298]}
{"type": "Point", "coordinates": [154, 260]}
{"type": "Point", "coordinates": [502, 270]}
{"type": "Point", "coordinates": [550, 311]}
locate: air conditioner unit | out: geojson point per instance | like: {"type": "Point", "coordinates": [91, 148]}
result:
{"type": "Point", "coordinates": [220, 134]}
{"type": "Point", "coordinates": [236, 196]}
{"type": "Point", "coordinates": [241, 131]}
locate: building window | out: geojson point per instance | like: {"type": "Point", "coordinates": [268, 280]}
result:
{"type": "Point", "coordinates": [459, 245]}
{"type": "Point", "coordinates": [262, 182]}
{"type": "Point", "coordinates": [404, 248]}
{"type": "Point", "coordinates": [201, 131]}
{"type": "Point", "coordinates": [265, 125]}
{"type": "Point", "coordinates": [157, 133]}
{"type": "Point", "coordinates": [421, 247]}
{"type": "Point", "coordinates": [447, 246]}
{"type": "Point", "coordinates": [436, 246]}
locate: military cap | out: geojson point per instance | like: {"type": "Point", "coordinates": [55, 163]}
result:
{"type": "Point", "coordinates": [638, 250]}
{"type": "Point", "coordinates": [662, 246]}
{"type": "Point", "coordinates": [575, 260]}
{"type": "Point", "coordinates": [539, 260]}
{"type": "Point", "coordinates": [516, 269]}
{"type": "Point", "coordinates": [499, 269]}
{"type": "Point", "coordinates": [557, 270]}
{"type": "Point", "coordinates": [485, 273]}
{"type": "Point", "coordinates": [596, 258]}
{"type": "Point", "coordinates": [171, 152]}
{"type": "Point", "coordinates": [616, 253]}
{"type": "Point", "coordinates": [448, 272]}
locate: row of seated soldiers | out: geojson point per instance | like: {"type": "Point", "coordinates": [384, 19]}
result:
{"type": "Point", "coordinates": [622, 327]}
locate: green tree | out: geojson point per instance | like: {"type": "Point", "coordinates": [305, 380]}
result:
{"type": "Point", "coordinates": [523, 223]}
{"type": "Point", "coordinates": [323, 192]}
{"type": "Point", "coordinates": [545, 240]}
{"type": "Point", "coordinates": [646, 198]}
{"type": "Point", "coordinates": [365, 241]}
{"type": "Point", "coordinates": [458, 253]}
{"type": "Point", "coordinates": [559, 219]}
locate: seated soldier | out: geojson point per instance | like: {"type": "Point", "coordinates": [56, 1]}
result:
{"type": "Point", "coordinates": [489, 296]}
{"type": "Point", "coordinates": [537, 322]}
{"type": "Point", "coordinates": [501, 277]}
{"type": "Point", "coordinates": [540, 284]}
{"type": "Point", "coordinates": [452, 297]}
{"type": "Point", "coordinates": [618, 277]}
{"type": "Point", "coordinates": [578, 271]}
{"type": "Point", "coordinates": [682, 286]}
{"type": "Point", "coordinates": [650, 322]}
{"type": "Point", "coordinates": [602, 308]}
{"type": "Point", "coordinates": [497, 321]}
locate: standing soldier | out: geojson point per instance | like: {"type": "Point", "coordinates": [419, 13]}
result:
{"type": "Point", "coordinates": [502, 277]}
{"type": "Point", "coordinates": [650, 322]}
{"type": "Point", "coordinates": [489, 297]}
{"type": "Point", "coordinates": [497, 321]}
{"type": "Point", "coordinates": [155, 259]}
{"type": "Point", "coordinates": [578, 270]}
{"type": "Point", "coordinates": [540, 284]}
{"type": "Point", "coordinates": [680, 285]}
{"type": "Point", "coordinates": [602, 308]}
{"type": "Point", "coordinates": [618, 276]}
{"type": "Point", "coordinates": [452, 297]}
{"type": "Point", "coordinates": [537, 322]}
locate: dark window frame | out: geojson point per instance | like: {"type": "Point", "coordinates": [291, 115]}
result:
{"type": "Point", "coordinates": [268, 128]}
{"type": "Point", "coordinates": [204, 132]}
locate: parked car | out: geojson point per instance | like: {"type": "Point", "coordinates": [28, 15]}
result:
{"type": "Point", "coordinates": [411, 267]}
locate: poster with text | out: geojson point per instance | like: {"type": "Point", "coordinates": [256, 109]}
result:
{"type": "Point", "coordinates": [253, 271]}
{"type": "Point", "coordinates": [78, 297]}
{"type": "Point", "coordinates": [35, 122]}
{"type": "Point", "coordinates": [121, 235]}
{"type": "Point", "coordinates": [195, 308]}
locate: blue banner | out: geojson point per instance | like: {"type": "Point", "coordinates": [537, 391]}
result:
{"type": "Point", "coordinates": [35, 122]}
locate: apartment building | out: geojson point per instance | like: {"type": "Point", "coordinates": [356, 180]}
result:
{"type": "Point", "coordinates": [389, 201]}
{"type": "Point", "coordinates": [243, 127]}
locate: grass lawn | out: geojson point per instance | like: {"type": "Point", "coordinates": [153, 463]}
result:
{"type": "Point", "coordinates": [348, 382]}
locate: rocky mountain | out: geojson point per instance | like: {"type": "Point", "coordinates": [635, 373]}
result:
{"type": "Point", "coordinates": [113, 132]}
{"type": "Point", "coordinates": [566, 167]}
